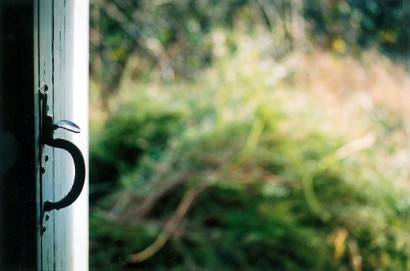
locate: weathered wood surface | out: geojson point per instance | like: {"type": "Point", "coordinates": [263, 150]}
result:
{"type": "Point", "coordinates": [61, 61]}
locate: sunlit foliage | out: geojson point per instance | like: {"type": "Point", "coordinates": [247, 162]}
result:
{"type": "Point", "coordinates": [253, 168]}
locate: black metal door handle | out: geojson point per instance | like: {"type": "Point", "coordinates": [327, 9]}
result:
{"type": "Point", "coordinates": [79, 177]}
{"type": "Point", "coordinates": [46, 137]}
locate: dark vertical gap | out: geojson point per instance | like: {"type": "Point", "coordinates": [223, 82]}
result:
{"type": "Point", "coordinates": [52, 57]}
{"type": "Point", "coordinates": [17, 185]}
{"type": "Point", "coordinates": [38, 41]}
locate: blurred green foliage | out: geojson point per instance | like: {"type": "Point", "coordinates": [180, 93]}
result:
{"type": "Point", "coordinates": [139, 129]}
{"type": "Point", "coordinates": [218, 158]}
{"type": "Point", "coordinates": [362, 23]}
{"type": "Point", "coordinates": [173, 36]}
{"type": "Point", "coordinates": [281, 191]}
{"type": "Point", "coordinates": [170, 35]}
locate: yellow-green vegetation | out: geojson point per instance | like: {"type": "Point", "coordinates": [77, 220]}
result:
{"type": "Point", "coordinates": [297, 164]}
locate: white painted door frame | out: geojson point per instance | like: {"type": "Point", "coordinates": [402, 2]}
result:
{"type": "Point", "coordinates": [61, 62]}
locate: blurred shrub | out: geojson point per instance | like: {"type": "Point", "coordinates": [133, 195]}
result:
{"type": "Point", "coordinates": [172, 40]}
{"type": "Point", "coordinates": [244, 169]}
{"type": "Point", "coordinates": [170, 36]}
{"type": "Point", "coordinates": [352, 23]}
{"type": "Point", "coordinates": [139, 127]}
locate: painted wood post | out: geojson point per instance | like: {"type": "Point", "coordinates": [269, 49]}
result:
{"type": "Point", "coordinates": [61, 63]}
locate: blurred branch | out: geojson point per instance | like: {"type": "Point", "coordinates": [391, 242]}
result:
{"type": "Point", "coordinates": [171, 225]}
{"type": "Point", "coordinates": [137, 212]}
{"type": "Point", "coordinates": [346, 150]}
{"type": "Point", "coordinates": [115, 14]}
{"type": "Point", "coordinates": [356, 145]}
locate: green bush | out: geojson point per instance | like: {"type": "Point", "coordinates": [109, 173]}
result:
{"type": "Point", "coordinates": [276, 188]}
{"type": "Point", "coordinates": [138, 128]}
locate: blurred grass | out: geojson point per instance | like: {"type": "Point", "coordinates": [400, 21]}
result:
{"type": "Point", "coordinates": [260, 164]}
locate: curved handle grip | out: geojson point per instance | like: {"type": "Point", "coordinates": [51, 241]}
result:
{"type": "Point", "coordinates": [79, 177]}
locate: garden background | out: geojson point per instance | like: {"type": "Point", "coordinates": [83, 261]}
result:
{"type": "Point", "coordinates": [249, 135]}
